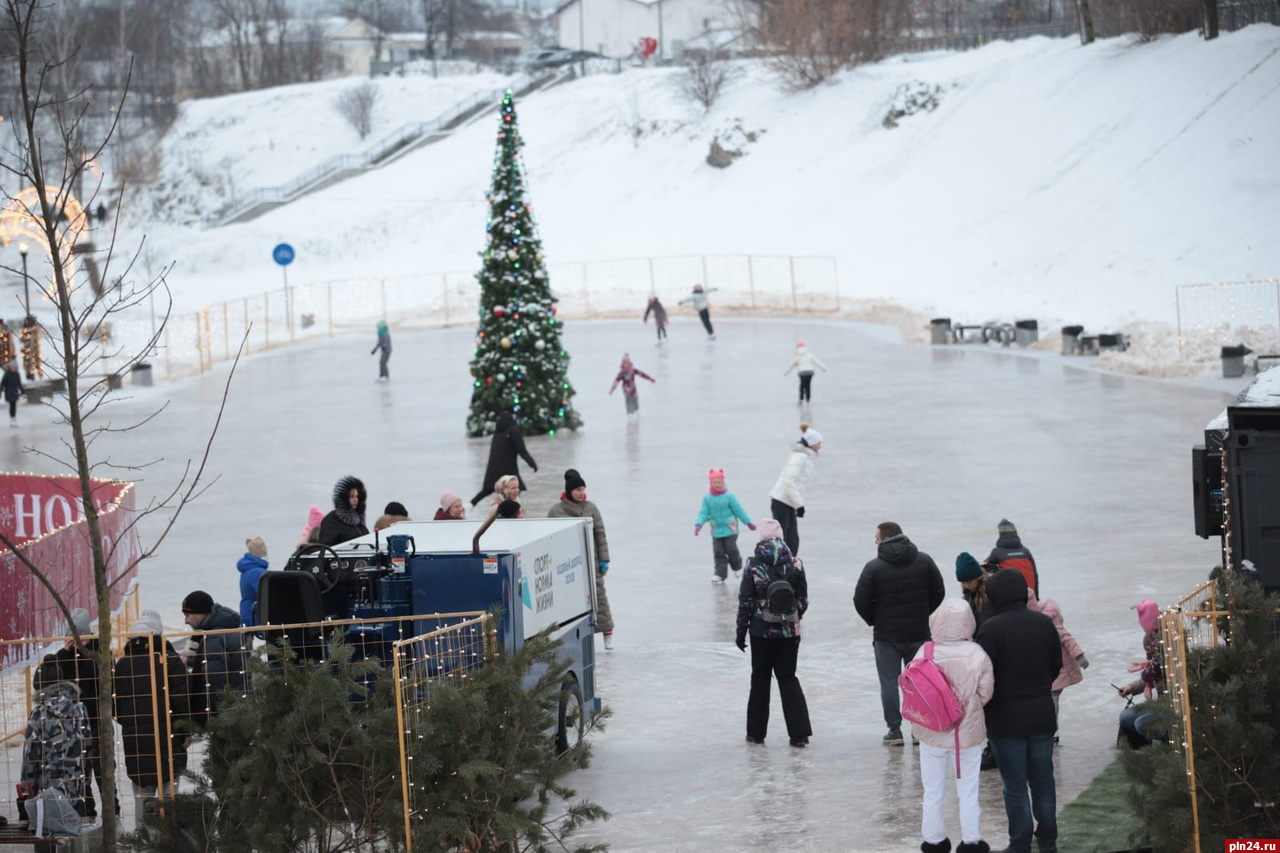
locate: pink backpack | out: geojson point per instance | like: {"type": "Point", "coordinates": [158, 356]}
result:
{"type": "Point", "coordinates": [928, 699]}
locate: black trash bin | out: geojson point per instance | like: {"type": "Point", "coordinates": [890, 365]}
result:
{"type": "Point", "coordinates": [1233, 360]}
{"type": "Point", "coordinates": [940, 330]}
{"type": "Point", "coordinates": [140, 374]}
{"type": "Point", "coordinates": [1071, 339]}
{"type": "Point", "coordinates": [1026, 332]}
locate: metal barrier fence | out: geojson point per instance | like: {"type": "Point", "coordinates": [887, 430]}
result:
{"type": "Point", "coordinates": [1192, 623]}
{"type": "Point", "coordinates": [1234, 312]}
{"type": "Point", "coordinates": [157, 699]}
{"type": "Point", "coordinates": [193, 343]}
{"type": "Point", "coordinates": [420, 663]}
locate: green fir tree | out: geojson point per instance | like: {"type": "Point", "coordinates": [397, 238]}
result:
{"type": "Point", "coordinates": [1235, 690]}
{"type": "Point", "coordinates": [520, 364]}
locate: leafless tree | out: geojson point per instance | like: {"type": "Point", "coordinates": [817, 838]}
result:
{"type": "Point", "coordinates": [356, 106]}
{"type": "Point", "coordinates": [41, 151]}
{"type": "Point", "coordinates": [705, 75]}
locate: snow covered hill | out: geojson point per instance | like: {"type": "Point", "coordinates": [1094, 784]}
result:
{"type": "Point", "coordinates": [1039, 179]}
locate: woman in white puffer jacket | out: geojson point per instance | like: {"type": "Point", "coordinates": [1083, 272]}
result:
{"type": "Point", "coordinates": [969, 670]}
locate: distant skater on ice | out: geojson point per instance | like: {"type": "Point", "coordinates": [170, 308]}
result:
{"type": "Point", "coordinates": [804, 362]}
{"type": "Point", "coordinates": [659, 316]}
{"type": "Point", "coordinates": [699, 299]}
{"type": "Point", "coordinates": [384, 344]}
{"type": "Point", "coordinates": [627, 376]}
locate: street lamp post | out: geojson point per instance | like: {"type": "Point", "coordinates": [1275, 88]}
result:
{"type": "Point", "coordinates": [23, 248]}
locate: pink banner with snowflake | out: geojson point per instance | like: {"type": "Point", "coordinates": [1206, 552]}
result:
{"type": "Point", "coordinates": [44, 518]}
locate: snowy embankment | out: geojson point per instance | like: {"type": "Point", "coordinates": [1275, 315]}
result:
{"type": "Point", "coordinates": [1037, 179]}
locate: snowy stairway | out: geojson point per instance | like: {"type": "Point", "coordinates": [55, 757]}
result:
{"type": "Point", "coordinates": [390, 148]}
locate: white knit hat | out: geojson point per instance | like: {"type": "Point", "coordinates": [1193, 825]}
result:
{"type": "Point", "coordinates": [811, 437]}
{"type": "Point", "coordinates": [80, 621]}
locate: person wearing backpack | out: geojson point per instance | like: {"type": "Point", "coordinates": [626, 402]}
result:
{"type": "Point", "coordinates": [968, 671]}
{"type": "Point", "coordinates": [772, 600]}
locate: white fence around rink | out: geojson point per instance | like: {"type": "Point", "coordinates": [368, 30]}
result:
{"type": "Point", "coordinates": [193, 343]}
{"type": "Point", "coordinates": [1227, 313]}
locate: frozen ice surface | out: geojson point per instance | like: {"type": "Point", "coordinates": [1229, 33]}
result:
{"type": "Point", "coordinates": [1092, 467]}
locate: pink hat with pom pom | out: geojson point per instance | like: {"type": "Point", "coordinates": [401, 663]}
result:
{"type": "Point", "coordinates": [1148, 614]}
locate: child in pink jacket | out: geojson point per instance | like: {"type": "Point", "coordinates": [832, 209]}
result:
{"type": "Point", "coordinates": [1073, 660]}
{"type": "Point", "coordinates": [969, 670]}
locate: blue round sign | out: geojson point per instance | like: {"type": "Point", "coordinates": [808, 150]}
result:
{"type": "Point", "coordinates": [283, 254]}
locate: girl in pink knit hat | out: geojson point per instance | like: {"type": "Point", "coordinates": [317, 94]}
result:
{"type": "Point", "coordinates": [722, 511]}
{"type": "Point", "coordinates": [627, 376]}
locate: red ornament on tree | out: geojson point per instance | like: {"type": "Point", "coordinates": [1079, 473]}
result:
{"type": "Point", "coordinates": [498, 310]}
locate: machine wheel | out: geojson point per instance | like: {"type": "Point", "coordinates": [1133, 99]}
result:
{"type": "Point", "coordinates": [320, 561]}
{"type": "Point", "coordinates": [571, 721]}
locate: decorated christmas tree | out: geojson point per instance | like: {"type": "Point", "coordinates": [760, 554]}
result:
{"type": "Point", "coordinates": [519, 363]}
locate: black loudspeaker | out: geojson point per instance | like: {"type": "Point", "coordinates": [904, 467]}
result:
{"type": "Point", "coordinates": [1206, 490]}
{"type": "Point", "coordinates": [1252, 459]}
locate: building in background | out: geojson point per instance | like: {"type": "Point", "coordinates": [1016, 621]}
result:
{"type": "Point", "coordinates": [615, 27]}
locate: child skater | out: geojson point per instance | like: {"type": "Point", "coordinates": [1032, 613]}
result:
{"type": "Point", "coordinates": [659, 316]}
{"type": "Point", "coordinates": [804, 362]}
{"type": "Point", "coordinates": [384, 344]}
{"type": "Point", "coordinates": [722, 510]}
{"type": "Point", "coordinates": [627, 376]}
{"type": "Point", "coordinates": [699, 299]}
{"type": "Point", "coordinates": [1073, 659]}
{"type": "Point", "coordinates": [969, 670]}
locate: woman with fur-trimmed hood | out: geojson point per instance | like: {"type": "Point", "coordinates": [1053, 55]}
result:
{"type": "Point", "coordinates": [346, 520]}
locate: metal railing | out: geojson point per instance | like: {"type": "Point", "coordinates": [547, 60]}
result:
{"type": "Point", "coordinates": [1223, 313]}
{"type": "Point", "coordinates": [195, 342]}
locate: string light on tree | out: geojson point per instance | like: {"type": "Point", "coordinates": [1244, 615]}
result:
{"type": "Point", "coordinates": [523, 354]}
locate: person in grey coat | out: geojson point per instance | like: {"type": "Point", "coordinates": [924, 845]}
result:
{"type": "Point", "coordinates": [574, 504]}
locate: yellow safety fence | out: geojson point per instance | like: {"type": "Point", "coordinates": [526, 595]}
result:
{"type": "Point", "coordinates": [157, 698]}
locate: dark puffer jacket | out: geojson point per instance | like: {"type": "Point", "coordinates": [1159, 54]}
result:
{"type": "Point", "coordinates": [772, 561]}
{"type": "Point", "coordinates": [140, 727]}
{"type": "Point", "coordinates": [217, 661]}
{"type": "Point", "coordinates": [507, 445]}
{"type": "Point", "coordinates": [343, 523]}
{"type": "Point", "coordinates": [81, 667]}
{"type": "Point", "coordinates": [1009, 553]}
{"type": "Point", "coordinates": [1026, 654]}
{"type": "Point", "coordinates": [898, 590]}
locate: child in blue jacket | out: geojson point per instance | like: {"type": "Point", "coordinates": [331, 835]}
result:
{"type": "Point", "coordinates": [722, 510]}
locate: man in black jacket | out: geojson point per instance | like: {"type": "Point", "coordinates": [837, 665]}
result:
{"type": "Point", "coordinates": [216, 660]}
{"type": "Point", "coordinates": [1026, 656]}
{"type": "Point", "coordinates": [895, 595]}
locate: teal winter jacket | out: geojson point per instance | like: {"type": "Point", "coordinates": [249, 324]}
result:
{"type": "Point", "coordinates": [724, 512]}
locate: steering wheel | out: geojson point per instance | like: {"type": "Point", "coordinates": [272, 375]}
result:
{"type": "Point", "coordinates": [321, 562]}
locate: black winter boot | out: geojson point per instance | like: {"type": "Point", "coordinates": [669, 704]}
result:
{"type": "Point", "coordinates": [943, 846]}
{"type": "Point", "coordinates": [975, 847]}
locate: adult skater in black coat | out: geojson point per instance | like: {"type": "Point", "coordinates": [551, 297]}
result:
{"type": "Point", "coordinates": [346, 520]}
{"type": "Point", "coordinates": [507, 444]}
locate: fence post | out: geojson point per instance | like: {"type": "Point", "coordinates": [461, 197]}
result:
{"type": "Point", "coordinates": [328, 285]}
{"type": "Point", "coordinates": [226, 332]}
{"type": "Point", "coordinates": [168, 366]}
{"type": "Point", "coordinates": [653, 290]}
{"type": "Point", "coordinates": [791, 262]}
{"type": "Point", "coordinates": [586, 292]}
{"type": "Point", "coordinates": [266, 320]}
{"type": "Point", "coordinates": [1177, 301]}
{"type": "Point", "coordinates": [205, 340]}
{"type": "Point", "coordinates": [383, 286]}
{"type": "Point", "coordinates": [835, 281]}
{"type": "Point", "coordinates": [705, 281]}
{"type": "Point", "coordinates": [751, 279]}
{"type": "Point", "coordinates": [247, 339]}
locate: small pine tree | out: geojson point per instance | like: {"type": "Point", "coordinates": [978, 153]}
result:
{"type": "Point", "coordinates": [1235, 690]}
{"type": "Point", "coordinates": [519, 364]}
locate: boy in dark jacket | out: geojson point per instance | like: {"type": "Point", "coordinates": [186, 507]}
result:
{"type": "Point", "coordinates": [895, 595]}
{"type": "Point", "coordinates": [217, 660]}
{"type": "Point", "coordinates": [1010, 553]}
{"type": "Point", "coordinates": [1026, 656]}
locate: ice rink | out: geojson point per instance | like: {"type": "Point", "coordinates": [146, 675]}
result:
{"type": "Point", "coordinates": [1093, 468]}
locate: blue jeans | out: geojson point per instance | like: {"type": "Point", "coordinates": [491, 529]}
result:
{"type": "Point", "coordinates": [890, 658]}
{"type": "Point", "coordinates": [1028, 762]}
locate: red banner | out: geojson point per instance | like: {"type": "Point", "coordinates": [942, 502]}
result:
{"type": "Point", "coordinates": [44, 517]}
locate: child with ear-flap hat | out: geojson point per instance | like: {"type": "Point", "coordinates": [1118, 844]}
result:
{"type": "Point", "coordinates": [722, 511]}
